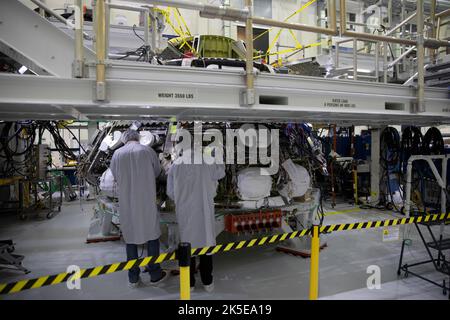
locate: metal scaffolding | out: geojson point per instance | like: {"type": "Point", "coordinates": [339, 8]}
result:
{"type": "Point", "coordinates": [99, 88]}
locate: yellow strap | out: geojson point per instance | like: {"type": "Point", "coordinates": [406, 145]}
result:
{"type": "Point", "coordinates": [295, 38]}
{"type": "Point", "coordinates": [278, 52]}
{"type": "Point", "coordinates": [177, 31]}
{"type": "Point", "coordinates": [188, 32]}
{"type": "Point", "coordinates": [306, 5]}
{"type": "Point", "coordinates": [290, 50]}
{"type": "Point", "coordinates": [177, 18]}
{"type": "Point", "coordinates": [272, 44]}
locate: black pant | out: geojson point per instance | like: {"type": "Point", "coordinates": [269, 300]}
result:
{"type": "Point", "coordinates": [206, 267]}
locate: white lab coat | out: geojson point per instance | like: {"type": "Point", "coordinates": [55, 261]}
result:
{"type": "Point", "coordinates": [193, 188]}
{"type": "Point", "coordinates": [135, 168]}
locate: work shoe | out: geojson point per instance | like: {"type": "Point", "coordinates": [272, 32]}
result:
{"type": "Point", "coordinates": [164, 277]}
{"type": "Point", "coordinates": [209, 288]}
{"type": "Point", "coordinates": [134, 285]}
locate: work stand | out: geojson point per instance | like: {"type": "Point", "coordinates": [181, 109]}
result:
{"type": "Point", "coordinates": [435, 250]}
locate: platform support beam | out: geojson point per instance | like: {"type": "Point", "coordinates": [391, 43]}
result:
{"type": "Point", "coordinates": [375, 165]}
{"type": "Point", "coordinates": [100, 50]}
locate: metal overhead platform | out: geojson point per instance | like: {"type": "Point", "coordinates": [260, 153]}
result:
{"type": "Point", "coordinates": [35, 41]}
{"type": "Point", "coordinates": [141, 91]}
{"type": "Point", "coordinates": [138, 90]}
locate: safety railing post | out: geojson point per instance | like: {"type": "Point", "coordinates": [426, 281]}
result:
{"type": "Point", "coordinates": [420, 59]}
{"type": "Point", "coordinates": [78, 64]}
{"type": "Point", "coordinates": [100, 37]}
{"type": "Point", "coordinates": [107, 26]}
{"type": "Point", "coordinates": [314, 271]}
{"type": "Point", "coordinates": [250, 77]}
{"type": "Point", "coordinates": [355, 59]}
{"type": "Point", "coordinates": [184, 262]}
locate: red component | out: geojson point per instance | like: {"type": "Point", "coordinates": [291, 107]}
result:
{"type": "Point", "coordinates": [188, 54]}
{"type": "Point", "coordinates": [251, 222]}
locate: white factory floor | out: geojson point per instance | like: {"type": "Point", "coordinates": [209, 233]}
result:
{"type": "Point", "coordinates": [50, 246]}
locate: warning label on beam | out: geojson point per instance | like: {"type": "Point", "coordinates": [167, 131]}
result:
{"type": "Point", "coordinates": [339, 103]}
{"type": "Point", "coordinates": [176, 95]}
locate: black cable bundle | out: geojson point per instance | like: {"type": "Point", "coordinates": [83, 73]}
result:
{"type": "Point", "coordinates": [412, 144]}
{"type": "Point", "coordinates": [412, 140]}
{"type": "Point", "coordinates": [60, 144]}
{"type": "Point", "coordinates": [433, 143]}
{"type": "Point", "coordinates": [142, 51]}
{"type": "Point", "coordinates": [22, 132]}
{"type": "Point", "coordinates": [390, 143]}
{"type": "Point", "coordinates": [27, 131]}
{"type": "Point", "coordinates": [390, 155]}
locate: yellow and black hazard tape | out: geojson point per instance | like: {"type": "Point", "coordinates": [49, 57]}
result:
{"type": "Point", "coordinates": [26, 284]}
{"type": "Point", "coordinates": [126, 265]}
{"type": "Point", "coordinates": [82, 274]}
{"type": "Point", "coordinates": [384, 223]}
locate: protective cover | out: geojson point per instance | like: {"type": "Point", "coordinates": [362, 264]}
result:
{"type": "Point", "coordinates": [111, 141]}
{"type": "Point", "coordinates": [270, 202]}
{"type": "Point", "coordinates": [252, 185]}
{"type": "Point", "coordinates": [147, 138]}
{"type": "Point", "coordinates": [299, 180]}
{"type": "Point", "coordinates": [107, 184]}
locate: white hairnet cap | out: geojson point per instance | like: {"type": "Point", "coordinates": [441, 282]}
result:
{"type": "Point", "coordinates": [130, 135]}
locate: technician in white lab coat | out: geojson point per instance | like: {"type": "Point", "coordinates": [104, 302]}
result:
{"type": "Point", "coordinates": [193, 188]}
{"type": "Point", "coordinates": [135, 168]}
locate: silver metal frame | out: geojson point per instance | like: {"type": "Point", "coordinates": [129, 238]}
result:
{"type": "Point", "coordinates": [441, 180]}
{"type": "Point", "coordinates": [137, 90]}
{"type": "Point", "coordinates": [188, 93]}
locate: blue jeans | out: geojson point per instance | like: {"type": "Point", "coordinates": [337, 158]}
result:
{"type": "Point", "coordinates": [154, 269]}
